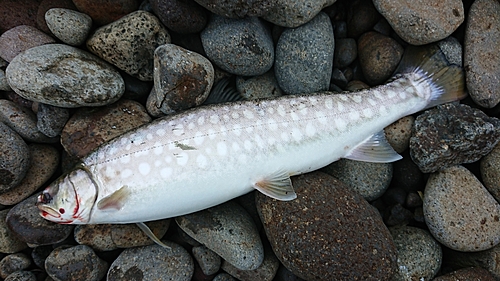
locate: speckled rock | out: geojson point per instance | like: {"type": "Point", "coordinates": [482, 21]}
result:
{"type": "Point", "coordinates": [452, 49]}
{"type": "Point", "coordinates": [13, 263]}
{"type": "Point", "coordinates": [304, 57]}
{"type": "Point", "coordinates": [129, 43]}
{"type": "Point", "coordinates": [207, 259]}
{"type": "Point", "coordinates": [21, 38]}
{"type": "Point", "coordinates": [379, 56]}
{"type": "Point", "coordinates": [265, 272]}
{"type": "Point", "coordinates": [239, 46]}
{"type": "Point", "coordinates": [490, 172]}
{"type": "Point", "coordinates": [419, 255]}
{"type": "Point", "coordinates": [238, 8]}
{"type": "Point", "coordinates": [152, 263]}
{"type": "Point", "coordinates": [229, 231]}
{"type": "Point", "coordinates": [51, 119]}
{"type": "Point", "coordinates": [75, 263]}
{"type": "Point", "coordinates": [481, 60]}
{"type": "Point", "coordinates": [107, 237]}
{"type": "Point", "coordinates": [346, 51]}
{"type": "Point", "coordinates": [471, 273]}
{"type": "Point", "coordinates": [293, 13]}
{"type": "Point", "coordinates": [487, 259]}
{"type": "Point", "coordinates": [419, 23]}
{"type": "Point", "coordinates": [46, 5]}
{"type": "Point", "coordinates": [257, 87]}
{"type": "Point", "coordinates": [4, 84]}
{"type": "Point", "coordinates": [44, 161]}
{"type": "Point", "coordinates": [15, 160]}
{"type": "Point", "coordinates": [224, 277]}
{"type": "Point", "coordinates": [328, 233]}
{"type": "Point", "coordinates": [105, 11]}
{"type": "Point", "coordinates": [398, 133]}
{"type": "Point", "coordinates": [181, 16]}
{"type": "Point", "coordinates": [370, 180]}
{"type": "Point", "coordinates": [460, 212]}
{"type": "Point", "coordinates": [22, 275]}
{"type": "Point", "coordinates": [452, 134]}
{"type": "Point", "coordinates": [9, 243]}
{"type": "Point", "coordinates": [69, 26]}
{"type": "Point", "coordinates": [183, 79]}
{"type": "Point", "coordinates": [15, 12]}
{"type": "Point", "coordinates": [89, 128]}
{"type": "Point", "coordinates": [76, 78]}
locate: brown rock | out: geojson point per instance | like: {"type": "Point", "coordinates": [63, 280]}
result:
{"type": "Point", "coordinates": [21, 38]}
{"type": "Point", "coordinates": [466, 274]}
{"type": "Point", "coordinates": [106, 11]}
{"type": "Point", "coordinates": [46, 5]}
{"type": "Point", "coordinates": [15, 12]}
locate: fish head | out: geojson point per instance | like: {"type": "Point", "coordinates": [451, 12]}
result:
{"type": "Point", "coordinates": [69, 199]}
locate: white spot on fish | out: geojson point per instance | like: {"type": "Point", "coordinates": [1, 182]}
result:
{"type": "Point", "coordinates": [242, 158]}
{"type": "Point", "coordinates": [222, 148]}
{"type": "Point", "coordinates": [182, 158]}
{"type": "Point", "coordinates": [168, 159]}
{"type": "Point", "coordinates": [295, 116]}
{"type": "Point", "coordinates": [272, 125]}
{"type": "Point", "coordinates": [353, 115]}
{"type": "Point", "coordinates": [158, 149]}
{"type": "Point", "coordinates": [296, 134]}
{"type": "Point", "coordinates": [248, 145]}
{"type": "Point", "coordinates": [236, 147]}
{"type": "Point", "coordinates": [383, 110]}
{"type": "Point", "coordinates": [158, 163]}
{"type": "Point", "coordinates": [341, 124]}
{"type": "Point", "coordinates": [344, 97]}
{"type": "Point", "coordinates": [304, 111]}
{"type": "Point", "coordinates": [235, 115]}
{"type": "Point", "coordinates": [226, 117]}
{"type": "Point", "coordinates": [285, 137]}
{"type": "Point", "coordinates": [141, 153]}
{"type": "Point", "coordinates": [125, 159]}
{"type": "Point", "coordinates": [199, 137]}
{"type": "Point", "coordinates": [248, 114]}
{"type": "Point", "coordinates": [211, 134]}
{"type": "Point", "coordinates": [371, 101]}
{"type": "Point", "coordinates": [201, 120]}
{"type": "Point", "coordinates": [126, 173]}
{"type": "Point", "coordinates": [270, 110]}
{"type": "Point", "coordinates": [165, 173]}
{"type": "Point", "coordinates": [144, 169]}
{"type": "Point", "coordinates": [259, 141]}
{"type": "Point", "coordinates": [367, 112]}
{"type": "Point", "coordinates": [391, 94]}
{"type": "Point", "coordinates": [320, 116]}
{"type": "Point", "coordinates": [378, 95]}
{"type": "Point", "coordinates": [281, 110]}
{"type": "Point", "coordinates": [249, 129]}
{"type": "Point", "coordinates": [191, 126]}
{"type": "Point", "coordinates": [310, 129]}
{"type": "Point", "coordinates": [214, 119]}
{"type": "Point", "coordinates": [161, 132]}
{"type": "Point", "coordinates": [110, 172]}
{"type": "Point", "coordinates": [340, 106]}
{"type": "Point", "coordinates": [402, 94]}
{"type": "Point", "coordinates": [237, 129]}
{"type": "Point", "coordinates": [329, 103]}
{"type": "Point", "coordinates": [271, 140]}
{"type": "Point", "coordinates": [149, 136]}
{"type": "Point", "coordinates": [357, 98]}
{"type": "Point", "coordinates": [201, 160]}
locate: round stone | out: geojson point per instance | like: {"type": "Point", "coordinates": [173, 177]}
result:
{"type": "Point", "coordinates": [265, 272]}
{"type": "Point", "coordinates": [21, 275]}
{"type": "Point", "coordinates": [46, 5]}
{"type": "Point", "coordinates": [181, 16]}
{"type": "Point", "coordinates": [238, 8]}
{"type": "Point", "coordinates": [490, 171]}
{"type": "Point", "coordinates": [75, 263]}
{"type": "Point", "coordinates": [104, 12]}
{"type": "Point", "coordinates": [13, 263]}
{"type": "Point", "coordinates": [9, 242]}
{"type": "Point", "coordinates": [21, 38]}
{"type": "Point", "coordinates": [207, 259]}
{"type": "Point", "coordinates": [69, 26]}
{"type": "Point", "coordinates": [293, 13]}
{"type": "Point", "coordinates": [15, 160]}
{"type": "Point", "coordinates": [51, 119]}
{"type": "Point", "coordinates": [258, 87]}
{"type": "Point", "coordinates": [398, 133]}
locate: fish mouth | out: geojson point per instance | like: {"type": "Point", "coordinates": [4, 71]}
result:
{"type": "Point", "coordinates": [47, 211]}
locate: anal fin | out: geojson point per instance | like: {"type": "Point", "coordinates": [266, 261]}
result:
{"type": "Point", "coordinates": [277, 186]}
{"type": "Point", "coordinates": [115, 200]}
{"type": "Point", "coordinates": [375, 149]}
{"type": "Point", "coordinates": [151, 235]}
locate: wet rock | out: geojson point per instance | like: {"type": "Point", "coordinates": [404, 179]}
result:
{"type": "Point", "coordinates": [398, 133]}
{"type": "Point", "coordinates": [304, 57]}
{"type": "Point", "coordinates": [239, 46]}
{"type": "Point", "coordinates": [238, 8]}
{"type": "Point", "coordinates": [265, 272]}
{"type": "Point", "coordinates": [75, 263]}
{"type": "Point", "coordinates": [459, 211]}
{"type": "Point", "coordinates": [181, 16]}
{"type": "Point", "coordinates": [104, 12]}
{"type": "Point", "coordinates": [257, 87]}
{"type": "Point", "coordinates": [490, 172]}
{"type": "Point", "coordinates": [208, 260]}
{"type": "Point", "coordinates": [152, 263]}
{"type": "Point", "coordinates": [183, 79]}
{"type": "Point", "coordinates": [452, 134]}
{"type": "Point", "coordinates": [76, 78]}
{"type": "Point", "coordinates": [13, 263]}
{"type": "Point", "coordinates": [229, 231]}
{"type": "Point", "coordinates": [472, 273]}
{"type": "Point", "coordinates": [69, 26]}
{"type": "Point", "coordinates": [481, 60]}
{"type": "Point", "coordinates": [21, 276]}
{"type": "Point", "coordinates": [21, 38]}
{"type": "Point", "coordinates": [51, 119]}
{"type": "Point", "coordinates": [15, 160]}
{"type": "Point", "coordinates": [328, 233]}
{"type": "Point", "coordinates": [129, 43]}
{"type": "Point", "coordinates": [293, 13]}
{"type": "Point", "coordinates": [9, 242]}
{"type": "Point", "coordinates": [14, 13]}
{"type": "Point", "coordinates": [46, 5]}
{"type": "Point", "coordinates": [346, 52]}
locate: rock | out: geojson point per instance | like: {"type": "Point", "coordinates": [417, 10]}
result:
{"type": "Point", "coordinates": [398, 133]}
{"type": "Point", "coordinates": [13, 263]}
{"type": "Point", "coordinates": [224, 277]}
{"type": "Point", "coordinates": [379, 56]}
{"type": "Point", "coordinates": [490, 172]}
{"type": "Point", "coordinates": [46, 5]}
{"type": "Point", "coordinates": [4, 84]}
{"type": "Point", "coordinates": [238, 8]}
{"type": "Point", "coordinates": [487, 259]}
{"type": "Point", "coordinates": [481, 61]}
{"type": "Point", "coordinates": [89, 128]}
{"type": "Point", "coordinates": [328, 233]}
{"type": "Point", "coordinates": [44, 161]}
{"type": "Point", "coordinates": [15, 160]}
{"type": "Point", "coordinates": [293, 13]}
{"type": "Point", "coordinates": [239, 46]}
{"type": "Point", "coordinates": [406, 175]}
{"type": "Point", "coordinates": [419, 23]}
{"type": "Point", "coordinates": [459, 211]}
{"type": "Point", "coordinates": [397, 215]}
{"type": "Point", "coordinates": [265, 272]}
{"type": "Point", "coordinates": [345, 53]}
{"type": "Point", "coordinates": [181, 16]}
{"type": "Point", "coordinates": [104, 12]}
{"type": "Point", "coordinates": [21, 276]}
{"type": "Point", "coordinates": [257, 87]}
{"type": "Point", "coordinates": [452, 49]}
{"type": "Point", "coordinates": [419, 255]}
{"type": "Point", "coordinates": [14, 13]}
{"type": "Point", "coordinates": [75, 78]}
{"type": "Point", "coordinates": [69, 26]}
{"type": "Point", "coordinates": [152, 263]}
{"type": "Point", "coordinates": [129, 43]}
{"type": "Point", "coordinates": [68, 263]}
{"type": "Point", "coordinates": [9, 242]}
{"type": "Point", "coordinates": [284, 274]}
{"type": "Point", "coordinates": [229, 231]}
{"type": "Point", "coordinates": [136, 89]}
{"type": "Point", "coordinates": [472, 273]}
{"type": "Point", "coordinates": [40, 254]}
{"type": "Point", "coordinates": [51, 119]}
{"type": "Point", "coordinates": [452, 134]}
{"type": "Point", "coordinates": [304, 57]}
{"type": "Point", "coordinates": [183, 79]}
{"type": "Point", "coordinates": [207, 259]}
{"type": "Point", "coordinates": [361, 18]}
{"type": "Point", "coordinates": [21, 38]}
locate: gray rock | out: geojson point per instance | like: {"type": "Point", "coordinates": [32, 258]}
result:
{"type": "Point", "coordinates": [487, 259]}
{"type": "Point", "coordinates": [15, 160]}
{"type": "Point", "coordinates": [490, 172]}
{"type": "Point", "coordinates": [459, 211]}
{"type": "Point", "coordinates": [292, 13]}
{"type": "Point", "coordinates": [9, 243]}
{"type": "Point", "coordinates": [207, 259]}
{"type": "Point", "coordinates": [129, 43]}
{"type": "Point", "coordinates": [13, 263]}
{"type": "Point", "coordinates": [304, 57]}
{"type": "Point", "coordinates": [224, 277]}
{"type": "Point", "coordinates": [181, 16]}
{"type": "Point", "coordinates": [265, 272]}
{"type": "Point", "coordinates": [239, 46]}
{"type": "Point", "coordinates": [151, 105]}
{"type": "Point", "coordinates": [419, 23]}
{"type": "Point", "coordinates": [398, 133]}
{"type": "Point", "coordinates": [419, 255]}
{"type": "Point", "coordinates": [471, 273]}
{"type": "Point", "coordinates": [452, 50]}
{"type": "Point", "coordinates": [481, 58]}
{"type": "Point", "coordinates": [229, 231]}
{"type": "Point", "coordinates": [452, 134]}
{"type": "Point", "coordinates": [238, 8]}
{"type": "Point", "coordinates": [4, 84]}
{"type": "Point", "coordinates": [257, 87]}
{"type": "Point", "coordinates": [183, 79]}
{"type": "Point", "coordinates": [361, 18]}
{"type": "Point", "coordinates": [21, 276]}
{"type": "Point", "coordinates": [152, 263]}
{"type": "Point", "coordinates": [21, 38]}
{"type": "Point", "coordinates": [346, 51]}
{"type": "Point", "coordinates": [51, 119]}
{"type": "Point", "coordinates": [69, 26]}
{"type": "Point", "coordinates": [80, 262]}
{"type": "Point", "coordinates": [75, 78]}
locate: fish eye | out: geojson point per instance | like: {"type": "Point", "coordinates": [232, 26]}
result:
{"type": "Point", "coordinates": [46, 198]}
{"type": "Point", "coordinates": [62, 211]}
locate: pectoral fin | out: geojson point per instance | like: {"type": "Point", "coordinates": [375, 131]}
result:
{"type": "Point", "coordinates": [151, 235]}
{"type": "Point", "coordinates": [277, 186]}
{"type": "Point", "coordinates": [375, 149]}
{"type": "Point", "coordinates": [116, 200]}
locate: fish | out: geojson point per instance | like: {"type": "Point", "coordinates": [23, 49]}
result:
{"type": "Point", "coordinates": [205, 156]}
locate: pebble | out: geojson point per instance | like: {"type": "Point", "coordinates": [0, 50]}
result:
{"type": "Point", "coordinates": [328, 232]}
{"type": "Point", "coordinates": [136, 89]}
{"type": "Point", "coordinates": [129, 43]}
{"type": "Point", "coordinates": [238, 8]}
{"type": "Point", "coordinates": [361, 18]}
{"type": "Point", "coordinates": [152, 263]}
{"type": "Point", "coordinates": [108, 237]}
{"type": "Point", "coordinates": [51, 119]}
{"type": "Point", "coordinates": [89, 128]}
{"type": "Point", "coordinates": [207, 259]}
{"type": "Point", "coordinates": [293, 13]}
{"type": "Point", "coordinates": [44, 161]}
{"type": "Point", "coordinates": [419, 255]}
{"type": "Point", "coordinates": [229, 231]}
{"type": "Point", "coordinates": [183, 79]}
{"type": "Point", "coordinates": [284, 274]}
{"type": "Point", "coordinates": [369, 180]}
{"type": "Point", "coordinates": [398, 133]}
{"type": "Point", "coordinates": [346, 51]}
{"type": "Point", "coordinates": [490, 172]}
{"type": "Point", "coordinates": [13, 263]}
{"type": "Point", "coordinates": [397, 215]}
{"type": "Point", "coordinates": [104, 12]}
{"type": "Point", "coordinates": [258, 87]}
{"type": "Point", "coordinates": [9, 242]}
{"type": "Point", "coordinates": [239, 46]}
{"type": "Point", "coordinates": [14, 13]}
{"type": "Point", "coordinates": [265, 272]}
{"type": "Point", "coordinates": [15, 160]}
{"type": "Point", "coordinates": [419, 23]}
{"type": "Point", "coordinates": [73, 263]}
{"type": "Point", "coordinates": [4, 84]}
{"type": "Point", "coordinates": [69, 26]}
{"type": "Point", "coordinates": [406, 175]}
{"type": "Point", "coordinates": [46, 5]}
{"type": "Point", "coordinates": [452, 134]}
{"type": "Point", "coordinates": [481, 60]}
{"type": "Point", "coordinates": [487, 259]}
{"type": "Point", "coordinates": [21, 276]}
{"type": "Point", "coordinates": [459, 211]}
{"type": "Point", "coordinates": [471, 273]}
{"type": "Point", "coordinates": [185, 16]}
{"type": "Point", "coordinates": [304, 57]}
{"type": "Point", "coordinates": [78, 75]}
{"type": "Point", "coordinates": [224, 277]}
{"type": "Point", "coordinates": [21, 38]}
